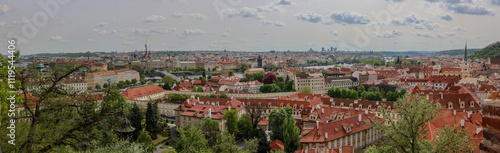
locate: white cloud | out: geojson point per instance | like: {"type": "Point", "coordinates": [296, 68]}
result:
{"type": "Point", "coordinates": [177, 15]}
{"type": "Point", "coordinates": [266, 22]}
{"type": "Point", "coordinates": [391, 34]}
{"type": "Point", "coordinates": [198, 16]}
{"type": "Point", "coordinates": [279, 24]}
{"type": "Point", "coordinates": [58, 38]}
{"type": "Point", "coordinates": [349, 17]}
{"type": "Point", "coordinates": [334, 33]}
{"type": "Point", "coordinates": [245, 12]}
{"type": "Point", "coordinates": [154, 18]}
{"type": "Point", "coordinates": [152, 31]}
{"type": "Point", "coordinates": [128, 42]}
{"type": "Point", "coordinates": [309, 16]}
{"type": "Point", "coordinates": [415, 21]}
{"type": "Point", "coordinates": [192, 32]}
{"type": "Point", "coordinates": [4, 9]}
{"type": "Point", "coordinates": [469, 8]}
{"type": "Point", "coordinates": [102, 24]}
{"type": "Point", "coordinates": [284, 2]}
{"type": "Point", "coordinates": [460, 29]}
{"type": "Point", "coordinates": [446, 17]}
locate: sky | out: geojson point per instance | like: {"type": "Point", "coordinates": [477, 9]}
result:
{"type": "Point", "coordinates": [57, 26]}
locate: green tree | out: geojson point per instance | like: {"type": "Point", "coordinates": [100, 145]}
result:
{"type": "Point", "coordinates": [226, 143]}
{"type": "Point", "coordinates": [344, 94]}
{"type": "Point", "coordinates": [354, 95]}
{"type": "Point", "coordinates": [277, 119]}
{"type": "Point", "coordinates": [245, 127]}
{"type": "Point", "coordinates": [291, 135]}
{"type": "Point", "coordinates": [214, 125]}
{"type": "Point", "coordinates": [231, 119]}
{"type": "Point", "coordinates": [204, 74]}
{"type": "Point", "coordinates": [166, 86]}
{"type": "Point", "coordinates": [167, 79]}
{"type": "Point", "coordinates": [97, 86]}
{"type": "Point", "coordinates": [405, 134]}
{"type": "Point", "coordinates": [231, 73]}
{"type": "Point", "coordinates": [152, 121]}
{"type": "Point", "coordinates": [337, 93]}
{"type": "Point", "coordinates": [223, 95]}
{"type": "Point", "coordinates": [191, 140]}
{"type": "Point", "coordinates": [406, 63]}
{"type": "Point", "coordinates": [331, 92]}
{"type": "Point", "coordinates": [134, 81]}
{"type": "Point", "coordinates": [289, 85]}
{"type": "Point", "coordinates": [452, 139]}
{"type": "Point", "coordinates": [146, 141]}
{"type": "Point", "coordinates": [361, 89]}
{"type": "Point", "coordinates": [214, 69]}
{"type": "Point", "coordinates": [136, 121]}
{"type": "Point", "coordinates": [307, 90]}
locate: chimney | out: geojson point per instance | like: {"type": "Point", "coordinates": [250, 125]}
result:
{"type": "Point", "coordinates": [359, 118]}
{"type": "Point", "coordinates": [366, 112]}
{"type": "Point", "coordinates": [468, 114]}
{"type": "Point", "coordinates": [326, 135]}
{"type": "Point", "coordinates": [441, 96]}
{"type": "Point", "coordinates": [454, 112]}
{"type": "Point", "coordinates": [188, 101]}
{"type": "Point", "coordinates": [209, 113]}
{"type": "Point", "coordinates": [229, 108]}
{"type": "Point", "coordinates": [198, 98]}
{"type": "Point", "coordinates": [317, 125]}
{"type": "Point", "coordinates": [459, 100]}
{"type": "Point", "coordinates": [323, 110]}
{"type": "Point", "coordinates": [462, 122]}
{"type": "Point", "coordinates": [427, 96]}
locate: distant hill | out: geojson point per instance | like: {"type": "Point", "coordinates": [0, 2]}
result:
{"type": "Point", "coordinates": [490, 51]}
{"type": "Point", "coordinates": [455, 52]}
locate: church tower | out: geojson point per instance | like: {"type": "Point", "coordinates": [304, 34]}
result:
{"type": "Point", "coordinates": [465, 64]}
{"type": "Point", "coordinates": [398, 64]}
{"type": "Point", "coordinates": [259, 62]}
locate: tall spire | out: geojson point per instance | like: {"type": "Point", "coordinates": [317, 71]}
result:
{"type": "Point", "coordinates": [465, 55]}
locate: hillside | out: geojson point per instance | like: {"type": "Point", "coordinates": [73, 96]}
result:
{"type": "Point", "coordinates": [455, 52]}
{"type": "Point", "coordinates": [490, 51]}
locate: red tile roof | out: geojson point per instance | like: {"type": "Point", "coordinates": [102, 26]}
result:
{"type": "Point", "coordinates": [277, 145]}
{"type": "Point", "coordinates": [333, 130]}
{"type": "Point", "coordinates": [142, 91]}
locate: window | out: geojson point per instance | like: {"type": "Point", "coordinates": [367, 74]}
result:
{"type": "Point", "coordinates": [369, 106]}
{"type": "Point", "coordinates": [462, 104]}
{"type": "Point", "coordinates": [450, 105]}
{"type": "Point", "coordinates": [281, 105]}
{"type": "Point", "coordinates": [472, 104]}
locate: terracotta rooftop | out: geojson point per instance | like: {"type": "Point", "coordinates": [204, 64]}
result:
{"type": "Point", "coordinates": [142, 91]}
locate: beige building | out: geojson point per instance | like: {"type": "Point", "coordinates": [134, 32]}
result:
{"type": "Point", "coordinates": [316, 81]}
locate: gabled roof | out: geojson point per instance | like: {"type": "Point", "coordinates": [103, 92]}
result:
{"type": "Point", "coordinates": [142, 91]}
{"type": "Point", "coordinates": [277, 145]}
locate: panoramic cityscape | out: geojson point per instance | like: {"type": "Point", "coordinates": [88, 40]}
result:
{"type": "Point", "coordinates": [294, 76]}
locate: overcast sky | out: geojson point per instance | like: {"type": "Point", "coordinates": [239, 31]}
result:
{"type": "Point", "coordinates": [256, 25]}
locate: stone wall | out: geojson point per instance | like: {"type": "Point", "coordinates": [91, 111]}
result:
{"type": "Point", "coordinates": [491, 122]}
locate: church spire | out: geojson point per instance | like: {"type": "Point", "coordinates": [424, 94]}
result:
{"type": "Point", "coordinates": [465, 55]}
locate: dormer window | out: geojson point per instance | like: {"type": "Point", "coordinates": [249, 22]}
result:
{"type": "Point", "coordinates": [450, 105]}
{"type": "Point", "coordinates": [281, 105]}
{"type": "Point", "coordinates": [389, 108]}
{"type": "Point", "coordinates": [333, 104]}
{"type": "Point", "coordinates": [341, 104]}
{"type": "Point", "coordinates": [350, 105]}
{"type": "Point", "coordinates": [369, 106]}
{"type": "Point", "coordinates": [269, 105]}
{"type": "Point", "coordinates": [472, 104]}
{"type": "Point", "coordinates": [360, 106]}
{"type": "Point", "coordinates": [301, 107]}
{"type": "Point", "coordinates": [462, 104]}
{"type": "Point", "coordinates": [295, 106]}
{"type": "Point", "coordinates": [260, 105]}
{"type": "Point", "coordinates": [312, 117]}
